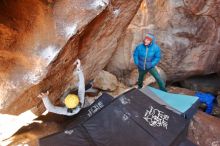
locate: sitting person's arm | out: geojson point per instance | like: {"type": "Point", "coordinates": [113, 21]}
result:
{"type": "Point", "coordinates": [56, 109]}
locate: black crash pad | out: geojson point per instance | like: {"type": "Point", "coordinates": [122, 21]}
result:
{"type": "Point", "coordinates": [138, 106]}
{"type": "Point", "coordinates": [67, 137]}
{"type": "Point", "coordinates": [86, 113]}
{"type": "Point", "coordinates": [187, 142]}
{"type": "Point", "coordinates": [131, 119]}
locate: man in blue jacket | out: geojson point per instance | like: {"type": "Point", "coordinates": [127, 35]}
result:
{"type": "Point", "coordinates": [146, 56]}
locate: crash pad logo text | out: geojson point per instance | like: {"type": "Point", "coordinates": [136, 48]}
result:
{"type": "Point", "coordinates": [156, 118]}
{"type": "Point", "coordinates": [95, 108]}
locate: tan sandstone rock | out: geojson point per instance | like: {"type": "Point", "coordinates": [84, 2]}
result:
{"type": "Point", "coordinates": [105, 81]}
{"type": "Point", "coordinates": [204, 130]}
{"type": "Point", "coordinates": [187, 32]}
{"type": "Point", "coordinates": [41, 39]}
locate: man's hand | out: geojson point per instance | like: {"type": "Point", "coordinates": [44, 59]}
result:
{"type": "Point", "coordinates": [77, 63]}
{"type": "Point", "coordinates": [43, 95]}
{"type": "Point", "coordinates": [149, 65]}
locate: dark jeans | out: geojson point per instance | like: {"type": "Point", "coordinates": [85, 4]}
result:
{"type": "Point", "coordinates": [155, 74]}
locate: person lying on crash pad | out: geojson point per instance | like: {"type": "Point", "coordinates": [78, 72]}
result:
{"type": "Point", "coordinates": [73, 103]}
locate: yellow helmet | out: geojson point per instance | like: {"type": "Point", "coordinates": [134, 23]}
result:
{"type": "Point", "coordinates": [71, 101]}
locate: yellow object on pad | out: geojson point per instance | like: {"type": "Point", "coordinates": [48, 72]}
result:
{"type": "Point", "coordinates": [71, 101]}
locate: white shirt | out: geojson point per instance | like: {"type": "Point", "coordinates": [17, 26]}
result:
{"type": "Point", "coordinates": [63, 110]}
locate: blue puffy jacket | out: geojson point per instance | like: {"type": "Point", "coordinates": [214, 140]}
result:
{"type": "Point", "coordinates": [153, 55]}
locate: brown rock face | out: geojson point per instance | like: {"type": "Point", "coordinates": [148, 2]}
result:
{"type": "Point", "coordinates": [178, 90]}
{"type": "Point", "coordinates": [218, 100]}
{"type": "Point", "coordinates": [209, 83]}
{"type": "Point", "coordinates": [31, 137]}
{"type": "Point", "coordinates": [204, 130]}
{"type": "Point", "coordinates": [105, 81]}
{"type": "Point", "coordinates": [187, 32]}
{"type": "Point", "coordinates": [41, 39]}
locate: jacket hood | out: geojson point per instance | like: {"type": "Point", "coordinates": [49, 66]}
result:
{"type": "Point", "coordinates": [153, 38]}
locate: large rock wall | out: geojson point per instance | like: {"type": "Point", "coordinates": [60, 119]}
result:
{"type": "Point", "coordinates": [41, 39]}
{"type": "Point", "coordinates": [188, 32]}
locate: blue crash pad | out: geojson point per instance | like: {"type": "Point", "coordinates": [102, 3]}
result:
{"type": "Point", "coordinates": [179, 102]}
